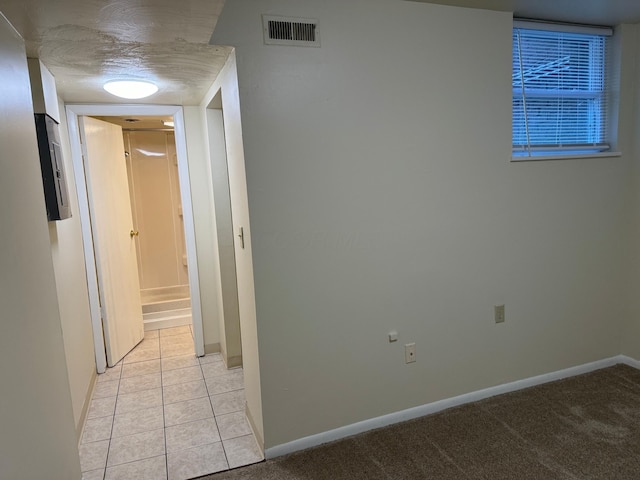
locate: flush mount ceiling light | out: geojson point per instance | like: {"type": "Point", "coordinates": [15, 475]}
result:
{"type": "Point", "coordinates": [131, 89]}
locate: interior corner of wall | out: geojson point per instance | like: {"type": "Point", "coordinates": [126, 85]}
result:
{"type": "Point", "coordinates": [212, 348]}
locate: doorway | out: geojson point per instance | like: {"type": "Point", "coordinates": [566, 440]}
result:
{"type": "Point", "coordinates": [158, 220]}
{"type": "Point", "coordinates": [199, 401]}
{"type": "Point", "coordinates": [73, 113]}
{"type": "Point", "coordinates": [224, 126]}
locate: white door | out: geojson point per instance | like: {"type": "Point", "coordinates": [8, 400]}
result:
{"type": "Point", "coordinates": [113, 236]}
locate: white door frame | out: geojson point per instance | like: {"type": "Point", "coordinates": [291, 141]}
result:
{"type": "Point", "coordinates": [73, 112]}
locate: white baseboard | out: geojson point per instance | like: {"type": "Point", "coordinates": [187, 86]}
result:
{"type": "Point", "coordinates": [167, 322]}
{"type": "Point", "coordinates": [85, 407]}
{"type": "Point", "coordinates": [165, 305]}
{"type": "Point", "coordinates": [632, 362]}
{"type": "Point", "coordinates": [422, 410]}
{"type": "Point", "coordinates": [152, 316]}
{"type": "Point", "coordinates": [252, 426]}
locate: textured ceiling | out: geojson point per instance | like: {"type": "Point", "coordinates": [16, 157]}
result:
{"type": "Point", "coordinates": [590, 12]}
{"type": "Point", "coordinates": [88, 42]}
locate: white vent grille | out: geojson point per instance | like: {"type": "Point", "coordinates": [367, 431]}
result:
{"type": "Point", "coordinates": [301, 32]}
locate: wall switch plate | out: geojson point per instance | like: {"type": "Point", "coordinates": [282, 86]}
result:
{"type": "Point", "coordinates": [393, 336]}
{"type": "Point", "coordinates": [410, 353]}
{"type": "Point", "coordinates": [498, 313]}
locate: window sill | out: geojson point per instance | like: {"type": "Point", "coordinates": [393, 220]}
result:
{"type": "Point", "coordinates": [565, 157]}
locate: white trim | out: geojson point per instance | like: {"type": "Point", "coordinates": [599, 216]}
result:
{"type": "Point", "coordinates": [167, 322]}
{"type": "Point", "coordinates": [73, 112]}
{"type": "Point", "coordinates": [85, 408]}
{"type": "Point", "coordinates": [87, 241]}
{"type": "Point", "coordinates": [430, 408]}
{"type": "Point", "coordinates": [164, 314]}
{"type": "Point", "coordinates": [534, 158]}
{"type": "Point", "coordinates": [632, 362]}
{"type": "Point", "coordinates": [189, 230]}
{"type": "Point", "coordinates": [562, 27]}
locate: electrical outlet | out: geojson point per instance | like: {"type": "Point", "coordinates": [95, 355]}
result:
{"type": "Point", "coordinates": [498, 313]}
{"type": "Point", "coordinates": [410, 353]}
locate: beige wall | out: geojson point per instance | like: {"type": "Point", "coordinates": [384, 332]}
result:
{"type": "Point", "coordinates": [382, 198]}
{"type": "Point", "coordinates": [178, 224]}
{"type": "Point", "coordinates": [38, 439]}
{"type": "Point", "coordinates": [155, 204]}
{"type": "Point", "coordinates": [631, 60]}
{"type": "Point", "coordinates": [71, 282]}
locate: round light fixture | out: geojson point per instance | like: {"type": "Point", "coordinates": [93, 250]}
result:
{"type": "Point", "coordinates": [131, 89]}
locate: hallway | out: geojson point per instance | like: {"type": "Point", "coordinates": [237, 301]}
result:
{"type": "Point", "coordinates": [162, 413]}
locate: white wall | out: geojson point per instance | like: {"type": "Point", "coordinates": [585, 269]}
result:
{"type": "Point", "coordinates": [37, 438]}
{"type": "Point", "coordinates": [230, 341]}
{"type": "Point", "coordinates": [71, 284]}
{"type": "Point", "coordinates": [204, 219]}
{"type": "Point", "coordinates": [155, 204]}
{"type": "Point", "coordinates": [631, 60]}
{"type": "Point", "coordinates": [382, 198]}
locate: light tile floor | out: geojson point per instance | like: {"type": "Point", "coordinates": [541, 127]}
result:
{"type": "Point", "coordinates": [164, 414]}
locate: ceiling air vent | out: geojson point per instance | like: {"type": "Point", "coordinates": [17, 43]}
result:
{"type": "Point", "coordinates": [301, 32]}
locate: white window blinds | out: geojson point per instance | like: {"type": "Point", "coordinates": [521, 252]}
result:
{"type": "Point", "coordinates": [560, 92]}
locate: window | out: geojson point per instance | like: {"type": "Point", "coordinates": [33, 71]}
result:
{"type": "Point", "coordinates": [560, 90]}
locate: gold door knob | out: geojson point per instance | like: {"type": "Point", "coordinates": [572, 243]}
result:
{"type": "Point", "coordinates": [133, 233]}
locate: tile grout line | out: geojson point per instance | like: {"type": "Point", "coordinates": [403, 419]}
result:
{"type": "Point", "coordinates": [164, 421]}
{"type": "Point", "coordinates": [115, 407]}
{"type": "Point", "coordinates": [119, 393]}
{"type": "Point", "coordinates": [113, 421]}
{"type": "Point", "coordinates": [163, 404]}
{"type": "Point", "coordinates": [214, 415]}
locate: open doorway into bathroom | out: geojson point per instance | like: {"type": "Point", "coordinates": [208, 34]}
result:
{"type": "Point", "coordinates": [158, 223]}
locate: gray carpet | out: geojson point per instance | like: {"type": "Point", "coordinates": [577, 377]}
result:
{"type": "Point", "coordinates": [585, 427]}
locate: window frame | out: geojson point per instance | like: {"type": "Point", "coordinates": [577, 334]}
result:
{"type": "Point", "coordinates": [531, 151]}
